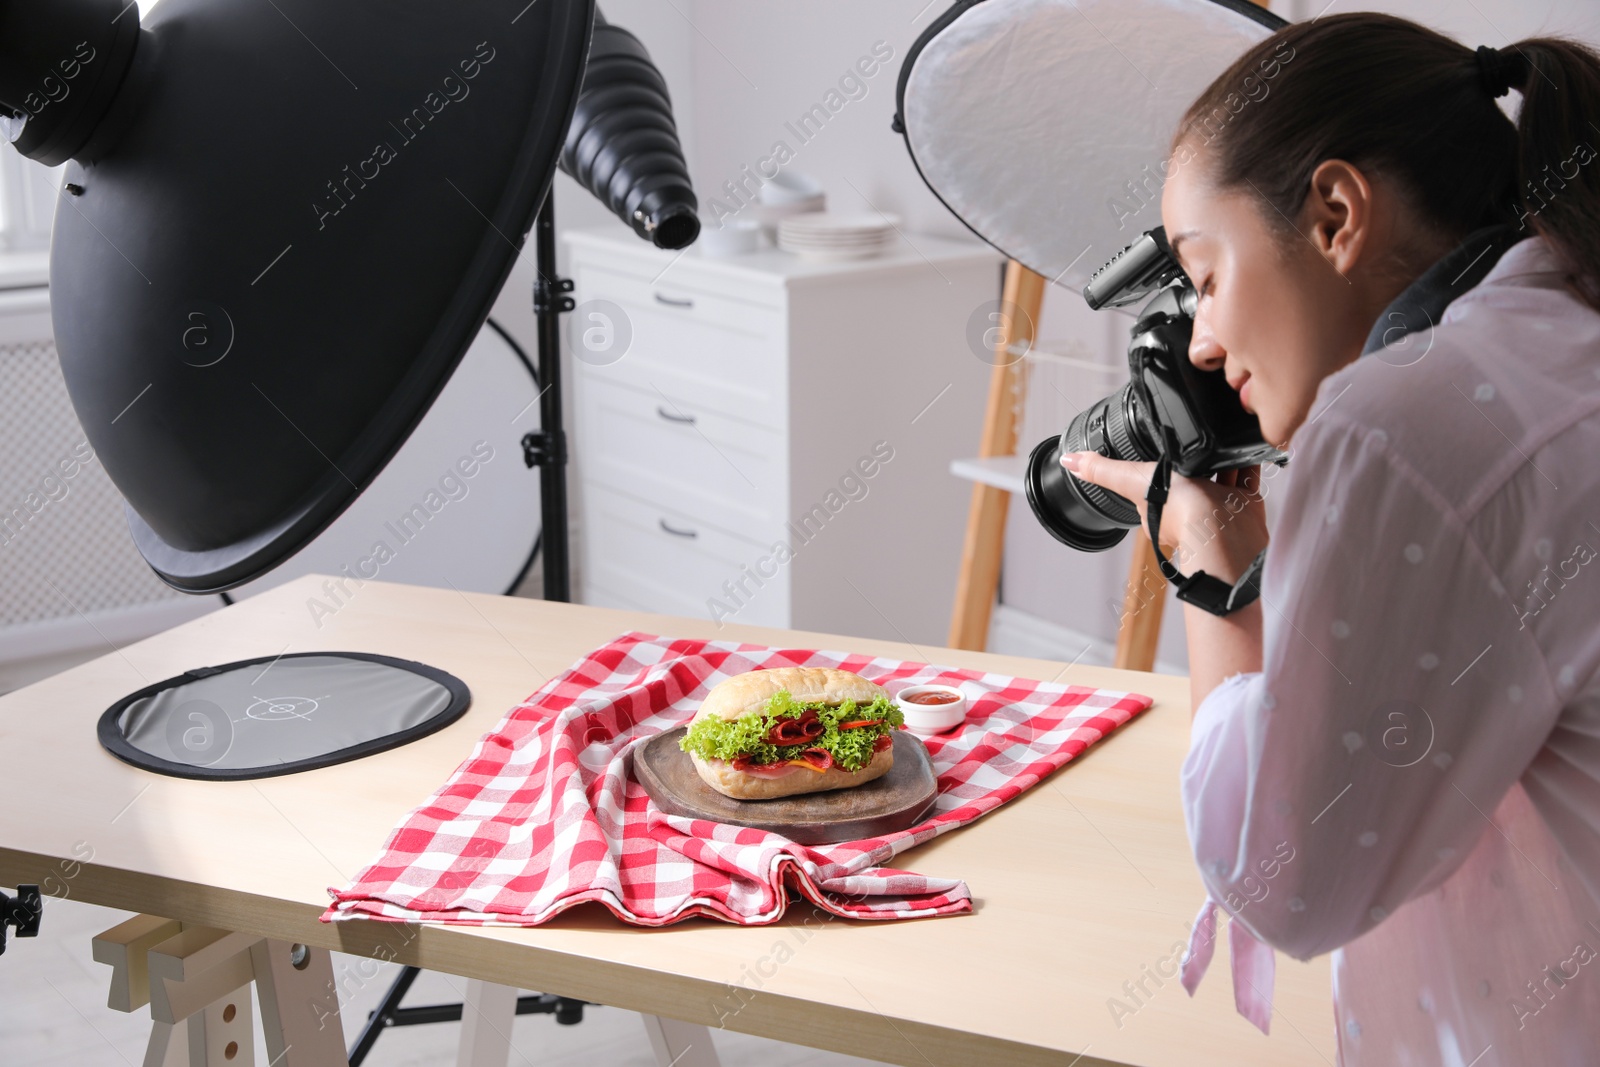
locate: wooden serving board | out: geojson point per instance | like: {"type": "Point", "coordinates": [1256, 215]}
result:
{"type": "Point", "coordinates": [897, 801]}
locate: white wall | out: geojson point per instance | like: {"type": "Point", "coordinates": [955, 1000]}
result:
{"type": "Point", "coordinates": [1474, 22]}
{"type": "Point", "coordinates": [760, 64]}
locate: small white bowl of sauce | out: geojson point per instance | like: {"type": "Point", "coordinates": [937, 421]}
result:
{"type": "Point", "coordinates": [932, 709]}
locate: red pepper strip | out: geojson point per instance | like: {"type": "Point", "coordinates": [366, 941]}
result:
{"type": "Point", "coordinates": [855, 724]}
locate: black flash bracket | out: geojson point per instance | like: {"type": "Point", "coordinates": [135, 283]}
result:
{"type": "Point", "coordinates": [22, 911]}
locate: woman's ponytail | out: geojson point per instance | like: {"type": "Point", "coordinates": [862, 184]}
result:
{"type": "Point", "coordinates": [1558, 154]}
{"type": "Point", "coordinates": [1419, 108]}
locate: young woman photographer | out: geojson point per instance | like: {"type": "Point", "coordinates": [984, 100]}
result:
{"type": "Point", "coordinates": [1411, 710]}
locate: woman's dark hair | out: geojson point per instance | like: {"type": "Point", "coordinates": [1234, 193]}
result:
{"type": "Point", "coordinates": [1418, 108]}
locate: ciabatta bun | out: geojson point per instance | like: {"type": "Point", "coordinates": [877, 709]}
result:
{"type": "Point", "coordinates": [720, 775]}
{"type": "Point", "coordinates": [744, 693]}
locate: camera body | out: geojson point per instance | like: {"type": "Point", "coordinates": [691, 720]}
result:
{"type": "Point", "coordinates": [1169, 406]}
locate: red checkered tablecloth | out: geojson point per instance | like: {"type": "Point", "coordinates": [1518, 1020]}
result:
{"type": "Point", "coordinates": [545, 814]}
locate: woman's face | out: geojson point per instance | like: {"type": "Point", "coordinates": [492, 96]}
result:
{"type": "Point", "coordinates": [1276, 315]}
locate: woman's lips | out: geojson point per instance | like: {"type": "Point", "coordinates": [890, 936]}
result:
{"type": "Point", "coordinates": [1244, 395]}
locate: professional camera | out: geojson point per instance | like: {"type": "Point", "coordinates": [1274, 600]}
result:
{"type": "Point", "coordinates": [1169, 406]}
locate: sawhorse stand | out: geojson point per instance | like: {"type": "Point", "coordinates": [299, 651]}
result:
{"type": "Point", "coordinates": [196, 981]}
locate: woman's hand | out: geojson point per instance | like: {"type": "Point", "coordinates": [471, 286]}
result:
{"type": "Point", "coordinates": [1214, 526]}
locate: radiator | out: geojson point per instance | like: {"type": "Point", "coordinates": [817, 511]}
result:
{"type": "Point", "coordinates": [72, 585]}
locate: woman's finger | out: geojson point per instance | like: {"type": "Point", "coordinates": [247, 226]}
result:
{"type": "Point", "coordinates": [1122, 477]}
{"type": "Point", "coordinates": [1250, 479]}
{"type": "Point", "coordinates": [1245, 479]}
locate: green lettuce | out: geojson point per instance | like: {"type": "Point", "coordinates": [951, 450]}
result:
{"type": "Point", "coordinates": [713, 738]}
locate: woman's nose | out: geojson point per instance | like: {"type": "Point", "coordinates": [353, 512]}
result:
{"type": "Point", "coordinates": [1204, 351]}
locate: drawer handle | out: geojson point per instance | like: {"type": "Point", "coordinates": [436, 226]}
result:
{"type": "Point", "coordinates": [687, 420]}
{"type": "Point", "coordinates": [677, 302]}
{"type": "Point", "coordinates": [675, 532]}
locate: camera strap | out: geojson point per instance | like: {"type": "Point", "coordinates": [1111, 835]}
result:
{"type": "Point", "coordinates": [1201, 589]}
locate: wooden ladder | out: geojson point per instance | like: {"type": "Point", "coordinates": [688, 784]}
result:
{"type": "Point", "coordinates": [978, 582]}
{"type": "Point", "coordinates": [1139, 628]}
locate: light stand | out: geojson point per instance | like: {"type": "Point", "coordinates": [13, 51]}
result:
{"type": "Point", "coordinates": [567, 1012]}
{"type": "Point", "coordinates": [546, 448]}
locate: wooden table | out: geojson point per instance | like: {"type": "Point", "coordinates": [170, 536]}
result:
{"type": "Point", "coordinates": [1084, 886]}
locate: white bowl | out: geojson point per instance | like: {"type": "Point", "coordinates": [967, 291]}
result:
{"type": "Point", "coordinates": [734, 237]}
{"type": "Point", "coordinates": [926, 720]}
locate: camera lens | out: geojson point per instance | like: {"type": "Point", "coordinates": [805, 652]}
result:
{"type": "Point", "coordinates": [1079, 513]}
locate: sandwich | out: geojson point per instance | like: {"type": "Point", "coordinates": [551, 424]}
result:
{"type": "Point", "coordinates": [790, 730]}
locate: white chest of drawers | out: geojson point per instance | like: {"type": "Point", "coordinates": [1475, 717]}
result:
{"type": "Point", "coordinates": [768, 439]}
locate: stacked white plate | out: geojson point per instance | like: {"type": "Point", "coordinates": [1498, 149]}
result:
{"type": "Point", "coordinates": [826, 235]}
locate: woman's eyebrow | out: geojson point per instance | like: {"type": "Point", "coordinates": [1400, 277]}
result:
{"type": "Point", "coordinates": [1179, 238]}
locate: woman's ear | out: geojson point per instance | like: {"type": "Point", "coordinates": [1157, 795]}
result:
{"type": "Point", "coordinates": [1338, 213]}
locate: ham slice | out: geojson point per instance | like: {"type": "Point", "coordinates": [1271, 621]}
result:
{"type": "Point", "coordinates": [762, 770]}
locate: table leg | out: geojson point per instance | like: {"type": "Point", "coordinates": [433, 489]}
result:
{"type": "Point", "coordinates": [169, 1045]}
{"type": "Point", "coordinates": [221, 1033]}
{"type": "Point", "coordinates": [299, 1005]}
{"type": "Point", "coordinates": [488, 1012]}
{"type": "Point", "coordinates": [680, 1044]}
{"type": "Point", "coordinates": [197, 980]}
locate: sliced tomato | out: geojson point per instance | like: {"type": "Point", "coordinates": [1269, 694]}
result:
{"type": "Point", "coordinates": [856, 724]}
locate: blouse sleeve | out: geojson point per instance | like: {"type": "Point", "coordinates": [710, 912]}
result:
{"type": "Point", "coordinates": [1398, 702]}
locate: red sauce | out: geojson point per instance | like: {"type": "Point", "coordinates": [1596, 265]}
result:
{"type": "Point", "coordinates": [931, 697]}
